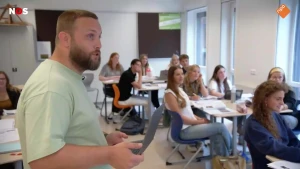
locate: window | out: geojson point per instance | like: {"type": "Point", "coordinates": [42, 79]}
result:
{"type": "Point", "coordinates": [228, 15]}
{"type": "Point", "coordinates": [196, 38]}
{"type": "Point", "coordinates": [296, 67]}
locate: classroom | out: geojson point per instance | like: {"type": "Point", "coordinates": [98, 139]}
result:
{"type": "Point", "coordinates": [167, 84]}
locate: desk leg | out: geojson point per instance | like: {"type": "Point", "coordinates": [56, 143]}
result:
{"type": "Point", "coordinates": [18, 165]}
{"type": "Point", "coordinates": [105, 107]}
{"type": "Point", "coordinates": [211, 148]}
{"type": "Point", "coordinates": [234, 135]}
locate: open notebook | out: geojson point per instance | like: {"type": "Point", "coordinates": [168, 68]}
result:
{"type": "Point", "coordinates": [282, 164]}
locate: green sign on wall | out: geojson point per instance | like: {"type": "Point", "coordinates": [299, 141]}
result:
{"type": "Point", "coordinates": [169, 21]}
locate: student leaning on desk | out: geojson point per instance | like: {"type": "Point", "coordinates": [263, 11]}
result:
{"type": "Point", "coordinates": [57, 123]}
{"type": "Point", "coordinates": [9, 95]}
{"type": "Point", "coordinates": [266, 132]}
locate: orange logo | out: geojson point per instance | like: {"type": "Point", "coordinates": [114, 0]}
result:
{"type": "Point", "coordinates": [283, 11]}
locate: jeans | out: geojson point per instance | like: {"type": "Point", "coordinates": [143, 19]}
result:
{"type": "Point", "coordinates": [217, 132]}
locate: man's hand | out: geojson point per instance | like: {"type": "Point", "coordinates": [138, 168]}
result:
{"type": "Point", "coordinates": [123, 158]}
{"type": "Point", "coordinates": [115, 138]}
{"type": "Point", "coordinates": [203, 121]}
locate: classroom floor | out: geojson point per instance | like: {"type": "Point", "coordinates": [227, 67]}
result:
{"type": "Point", "coordinates": [156, 154]}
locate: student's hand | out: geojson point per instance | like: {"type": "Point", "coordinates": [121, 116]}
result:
{"type": "Point", "coordinates": [200, 79]}
{"type": "Point", "coordinates": [203, 121]}
{"type": "Point", "coordinates": [115, 138]}
{"type": "Point", "coordinates": [195, 97]}
{"type": "Point", "coordinates": [283, 107]}
{"type": "Point", "coordinates": [123, 158]}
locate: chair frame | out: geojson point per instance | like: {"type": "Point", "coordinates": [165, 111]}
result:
{"type": "Point", "coordinates": [176, 126]}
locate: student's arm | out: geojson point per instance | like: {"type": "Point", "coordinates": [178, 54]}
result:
{"type": "Point", "coordinates": [290, 100]}
{"type": "Point", "coordinates": [213, 89]}
{"type": "Point", "coordinates": [47, 121]}
{"type": "Point", "coordinates": [203, 90]}
{"type": "Point", "coordinates": [137, 84]}
{"type": "Point", "coordinates": [171, 101]}
{"type": "Point", "coordinates": [264, 142]}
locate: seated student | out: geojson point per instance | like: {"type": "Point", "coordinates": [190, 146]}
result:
{"type": "Point", "coordinates": [290, 102]}
{"type": "Point", "coordinates": [265, 131]}
{"type": "Point", "coordinates": [112, 70]}
{"type": "Point", "coordinates": [127, 82]}
{"type": "Point", "coordinates": [184, 62]}
{"type": "Point", "coordinates": [147, 70]}
{"type": "Point", "coordinates": [217, 86]}
{"type": "Point", "coordinates": [219, 83]}
{"type": "Point", "coordinates": [194, 127]}
{"type": "Point", "coordinates": [194, 87]}
{"type": "Point", "coordinates": [174, 61]}
{"type": "Point", "coordinates": [9, 95]}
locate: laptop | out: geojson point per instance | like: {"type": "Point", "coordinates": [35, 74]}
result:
{"type": "Point", "coordinates": [163, 75]}
{"type": "Point", "coordinates": [238, 93]}
{"type": "Point", "coordinates": [153, 125]}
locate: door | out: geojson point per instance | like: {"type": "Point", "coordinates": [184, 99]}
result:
{"type": "Point", "coordinates": [5, 57]}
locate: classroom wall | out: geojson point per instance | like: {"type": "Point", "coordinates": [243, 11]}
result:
{"type": "Point", "coordinates": [255, 43]}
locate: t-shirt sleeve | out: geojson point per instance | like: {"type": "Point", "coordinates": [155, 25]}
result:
{"type": "Point", "coordinates": [46, 123]}
{"type": "Point", "coordinates": [104, 71]}
{"type": "Point", "coordinates": [213, 85]}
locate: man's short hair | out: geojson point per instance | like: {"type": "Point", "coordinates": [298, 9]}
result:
{"type": "Point", "coordinates": [66, 20]}
{"type": "Point", "coordinates": [133, 62]}
{"type": "Point", "coordinates": [183, 56]}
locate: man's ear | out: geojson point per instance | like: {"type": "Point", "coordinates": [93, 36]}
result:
{"type": "Point", "coordinates": [64, 39]}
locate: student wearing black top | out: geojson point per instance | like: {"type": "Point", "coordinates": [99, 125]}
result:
{"type": "Point", "coordinates": [292, 120]}
{"type": "Point", "coordinates": [184, 62]}
{"type": "Point", "coordinates": [127, 82]}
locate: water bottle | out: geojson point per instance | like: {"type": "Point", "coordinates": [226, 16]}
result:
{"type": "Point", "coordinates": [233, 94]}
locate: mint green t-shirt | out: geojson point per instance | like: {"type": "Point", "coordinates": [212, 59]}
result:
{"type": "Point", "coordinates": [54, 109]}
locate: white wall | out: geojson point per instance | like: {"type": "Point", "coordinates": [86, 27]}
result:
{"type": "Point", "coordinates": [255, 43]}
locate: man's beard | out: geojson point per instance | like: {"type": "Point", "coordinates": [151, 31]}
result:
{"type": "Point", "coordinates": [84, 60]}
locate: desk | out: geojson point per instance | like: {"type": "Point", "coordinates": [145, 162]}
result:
{"type": "Point", "coordinates": [271, 158]}
{"type": "Point", "coordinates": [8, 158]}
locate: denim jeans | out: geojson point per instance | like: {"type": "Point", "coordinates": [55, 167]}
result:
{"type": "Point", "coordinates": [217, 133]}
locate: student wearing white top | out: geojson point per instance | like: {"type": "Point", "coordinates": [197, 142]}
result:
{"type": "Point", "coordinates": [147, 70]}
{"type": "Point", "coordinates": [219, 83]}
{"type": "Point", "coordinates": [194, 127]}
{"type": "Point", "coordinates": [174, 61]}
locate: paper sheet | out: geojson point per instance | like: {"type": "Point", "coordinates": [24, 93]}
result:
{"type": "Point", "coordinates": [284, 165]}
{"type": "Point", "coordinates": [208, 104]}
{"type": "Point", "coordinates": [9, 112]}
{"type": "Point", "coordinates": [9, 136]}
{"type": "Point", "coordinates": [7, 124]}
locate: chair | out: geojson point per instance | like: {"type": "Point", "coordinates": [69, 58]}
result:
{"type": "Point", "coordinates": [116, 103]}
{"type": "Point", "coordinates": [87, 79]}
{"type": "Point", "coordinates": [176, 126]}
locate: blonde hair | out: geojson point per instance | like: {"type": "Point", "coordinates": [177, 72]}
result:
{"type": "Point", "coordinates": [187, 83]}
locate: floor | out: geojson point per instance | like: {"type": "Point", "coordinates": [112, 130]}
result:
{"type": "Point", "coordinates": [157, 152]}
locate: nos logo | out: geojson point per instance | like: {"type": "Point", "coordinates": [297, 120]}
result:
{"type": "Point", "coordinates": [18, 11]}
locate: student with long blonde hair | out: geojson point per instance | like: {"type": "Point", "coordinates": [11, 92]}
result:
{"type": "Point", "coordinates": [265, 131]}
{"type": "Point", "coordinates": [193, 126]}
{"type": "Point", "coordinates": [174, 61]}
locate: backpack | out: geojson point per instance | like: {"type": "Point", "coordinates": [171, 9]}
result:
{"type": "Point", "coordinates": [231, 162]}
{"type": "Point", "coordinates": [133, 126]}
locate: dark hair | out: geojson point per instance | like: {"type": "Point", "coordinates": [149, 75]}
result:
{"type": "Point", "coordinates": [8, 85]}
{"type": "Point", "coordinates": [134, 61]}
{"type": "Point", "coordinates": [66, 20]}
{"type": "Point", "coordinates": [109, 63]}
{"type": "Point", "coordinates": [260, 110]}
{"type": "Point", "coordinates": [216, 78]}
{"type": "Point", "coordinates": [183, 56]}
{"type": "Point", "coordinates": [172, 86]}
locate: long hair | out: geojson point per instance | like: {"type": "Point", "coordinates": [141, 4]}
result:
{"type": "Point", "coordinates": [110, 64]}
{"type": "Point", "coordinates": [278, 69]}
{"type": "Point", "coordinates": [260, 110]}
{"type": "Point", "coordinates": [187, 83]}
{"type": "Point", "coordinates": [8, 85]}
{"type": "Point", "coordinates": [147, 64]}
{"type": "Point", "coordinates": [171, 64]}
{"type": "Point", "coordinates": [216, 78]}
{"type": "Point", "coordinates": [172, 86]}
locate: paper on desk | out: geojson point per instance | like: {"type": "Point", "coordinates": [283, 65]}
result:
{"type": "Point", "coordinates": [9, 112]}
{"type": "Point", "coordinates": [208, 104]}
{"type": "Point", "coordinates": [209, 97]}
{"type": "Point", "coordinates": [282, 164]}
{"type": "Point", "coordinates": [162, 85]}
{"type": "Point", "coordinates": [219, 111]}
{"type": "Point", "coordinates": [247, 95]}
{"type": "Point", "coordinates": [9, 136]}
{"type": "Point", "coordinates": [7, 124]}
